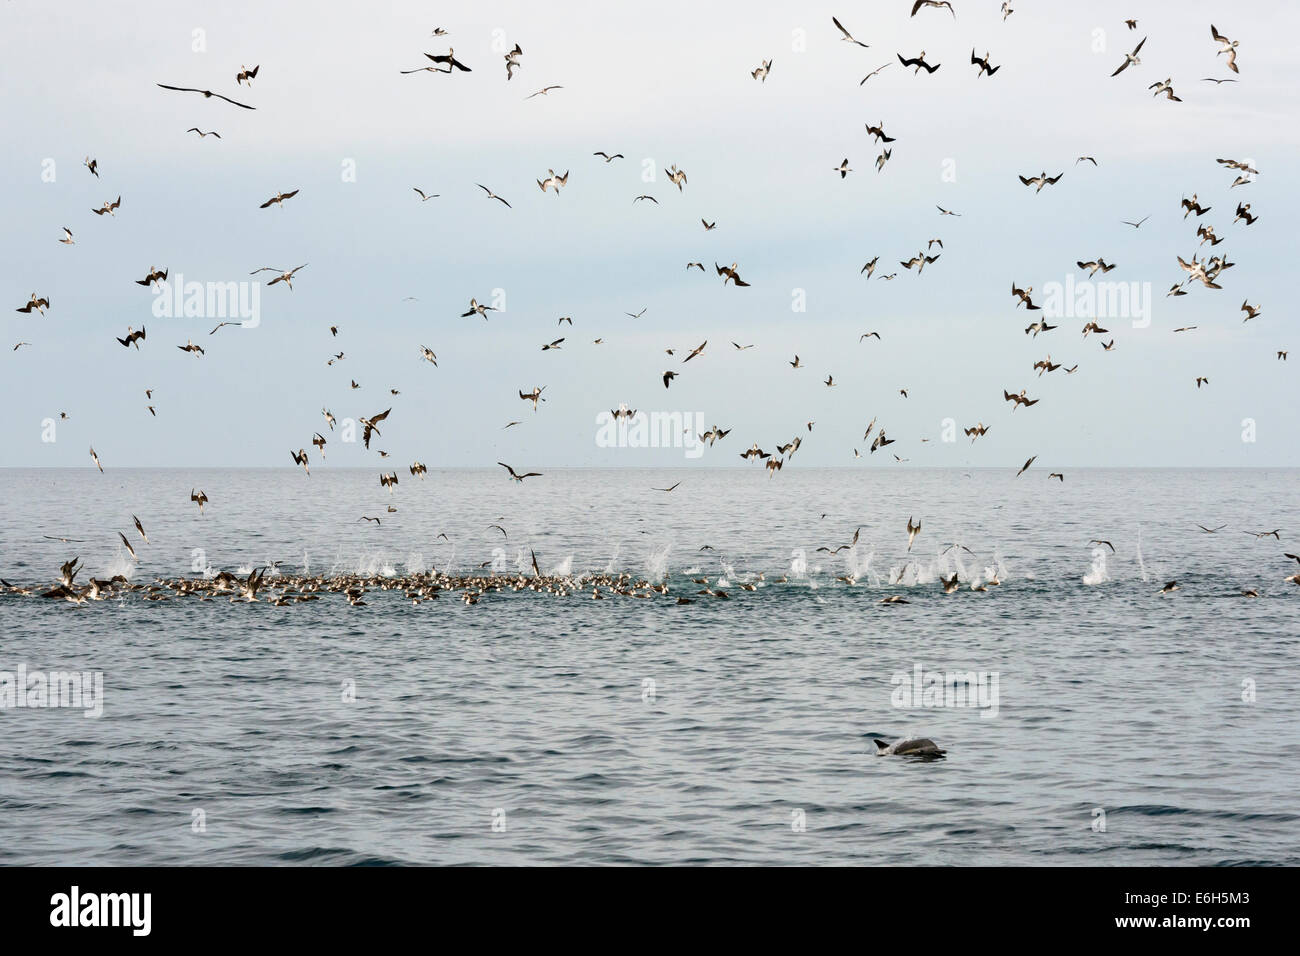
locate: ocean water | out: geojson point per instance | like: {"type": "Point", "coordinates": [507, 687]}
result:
{"type": "Point", "coordinates": [1130, 727]}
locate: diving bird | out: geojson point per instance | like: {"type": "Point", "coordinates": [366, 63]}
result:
{"type": "Point", "coordinates": [761, 72]}
{"type": "Point", "coordinates": [730, 274]}
{"type": "Point", "coordinates": [245, 75]}
{"type": "Point", "coordinates": [983, 64]}
{"type": "Point", "coordinates": [553, 181]}
{"type": "Point", "coordinates": [534, 396]}
{"type": "Point", "coordinates": [912, 531]}
{"type": "Point", "coordinates": [917, 61]}
{"type": "Point", "coordinates": [1041, 180]}
{"type": "Point", "coordinates": [371, 424]}
{"type": "Point", "coordinates": [95, 459]}
{"type": "Point", "coordinates": [154, 276]}
{"type": "Point", "coordinates": [109, 207]}
{"type": "Point", "coordinates": [449, 58]}
{"type": "Point", "coordinates": [39, 303]}
{"type": "Point", "coordinates": [1226, 46]}
{"type": "Point", "coordinates": [477, 308]}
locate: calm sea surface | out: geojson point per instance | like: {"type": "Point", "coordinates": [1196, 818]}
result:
{"type": "Point", "coordinates": [1129, 727]}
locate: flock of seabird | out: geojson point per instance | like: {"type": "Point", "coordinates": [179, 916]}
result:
{"type": "Point", "coordinates": [281, 589]}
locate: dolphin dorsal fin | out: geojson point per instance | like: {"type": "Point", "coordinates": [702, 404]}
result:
{"type": "Point", "coordinates": [881, 745]}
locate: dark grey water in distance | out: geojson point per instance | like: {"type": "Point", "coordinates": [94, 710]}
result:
{"type": "Point", "coordinates": [764, 707]}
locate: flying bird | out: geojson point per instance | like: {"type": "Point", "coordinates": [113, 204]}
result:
{"type": "Point", "coordinates": [1130, 58]}
{"type": "Point", "coordinates": [518, 477]}
{"type": "Point", "coordinates": [207, 94]}
{"type": "Point", "coordinates": [847, 36]}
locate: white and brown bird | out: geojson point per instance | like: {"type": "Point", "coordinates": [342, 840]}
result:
{"type": "Point", "coordinates": [1041, 180]}
{"type": "Point", "coordinates": [1226, 46]}
{"type": "Point", "coordinates": [35, 302]}
{"type": "Point", "coordinates": [285, 276]}
{"type": "Point", "coordinates": [730, 274]}
{"type": "Point", "coordinates": [534, 396]}
{"type": "Point", "coordinates": [477, 308]}
{"type": "Point", "coordinates": [552, 181]}
{"type": "Point", "coordinates": [1130, 59]}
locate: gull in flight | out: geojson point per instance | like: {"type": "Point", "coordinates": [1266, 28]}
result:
{"type": "Point", "coordinates": [847, 37]}
{"type": "Point", "coordinates": [1130, 58]}
{"type": "Point", "coordinates": [207, 94]}
{"type": "Point", "coordinates": [518, 477]}
{"type": "Point", "coordinates": [285, 277]}
{"type": "Point", "coordinates": [492, 195]}
{"type": "Point", "coordinates": [934, 3]}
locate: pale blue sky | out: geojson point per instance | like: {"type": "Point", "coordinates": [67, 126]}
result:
{"type": "Point", "coordinates": [669, 82]}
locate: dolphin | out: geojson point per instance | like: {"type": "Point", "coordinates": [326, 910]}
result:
{"type": "Point", "coordinates": [909, 747]}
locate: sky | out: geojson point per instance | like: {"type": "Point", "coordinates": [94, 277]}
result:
{"type": "Point", "coordinates": [664, 84]}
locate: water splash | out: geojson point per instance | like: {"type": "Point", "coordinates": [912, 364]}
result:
{"type": "Point", "coordinates": [656, 563]}
{"type": "Point", "coordinates": [1098, 573]}
{"type": "Point", "coordinates": [1141, 564]}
